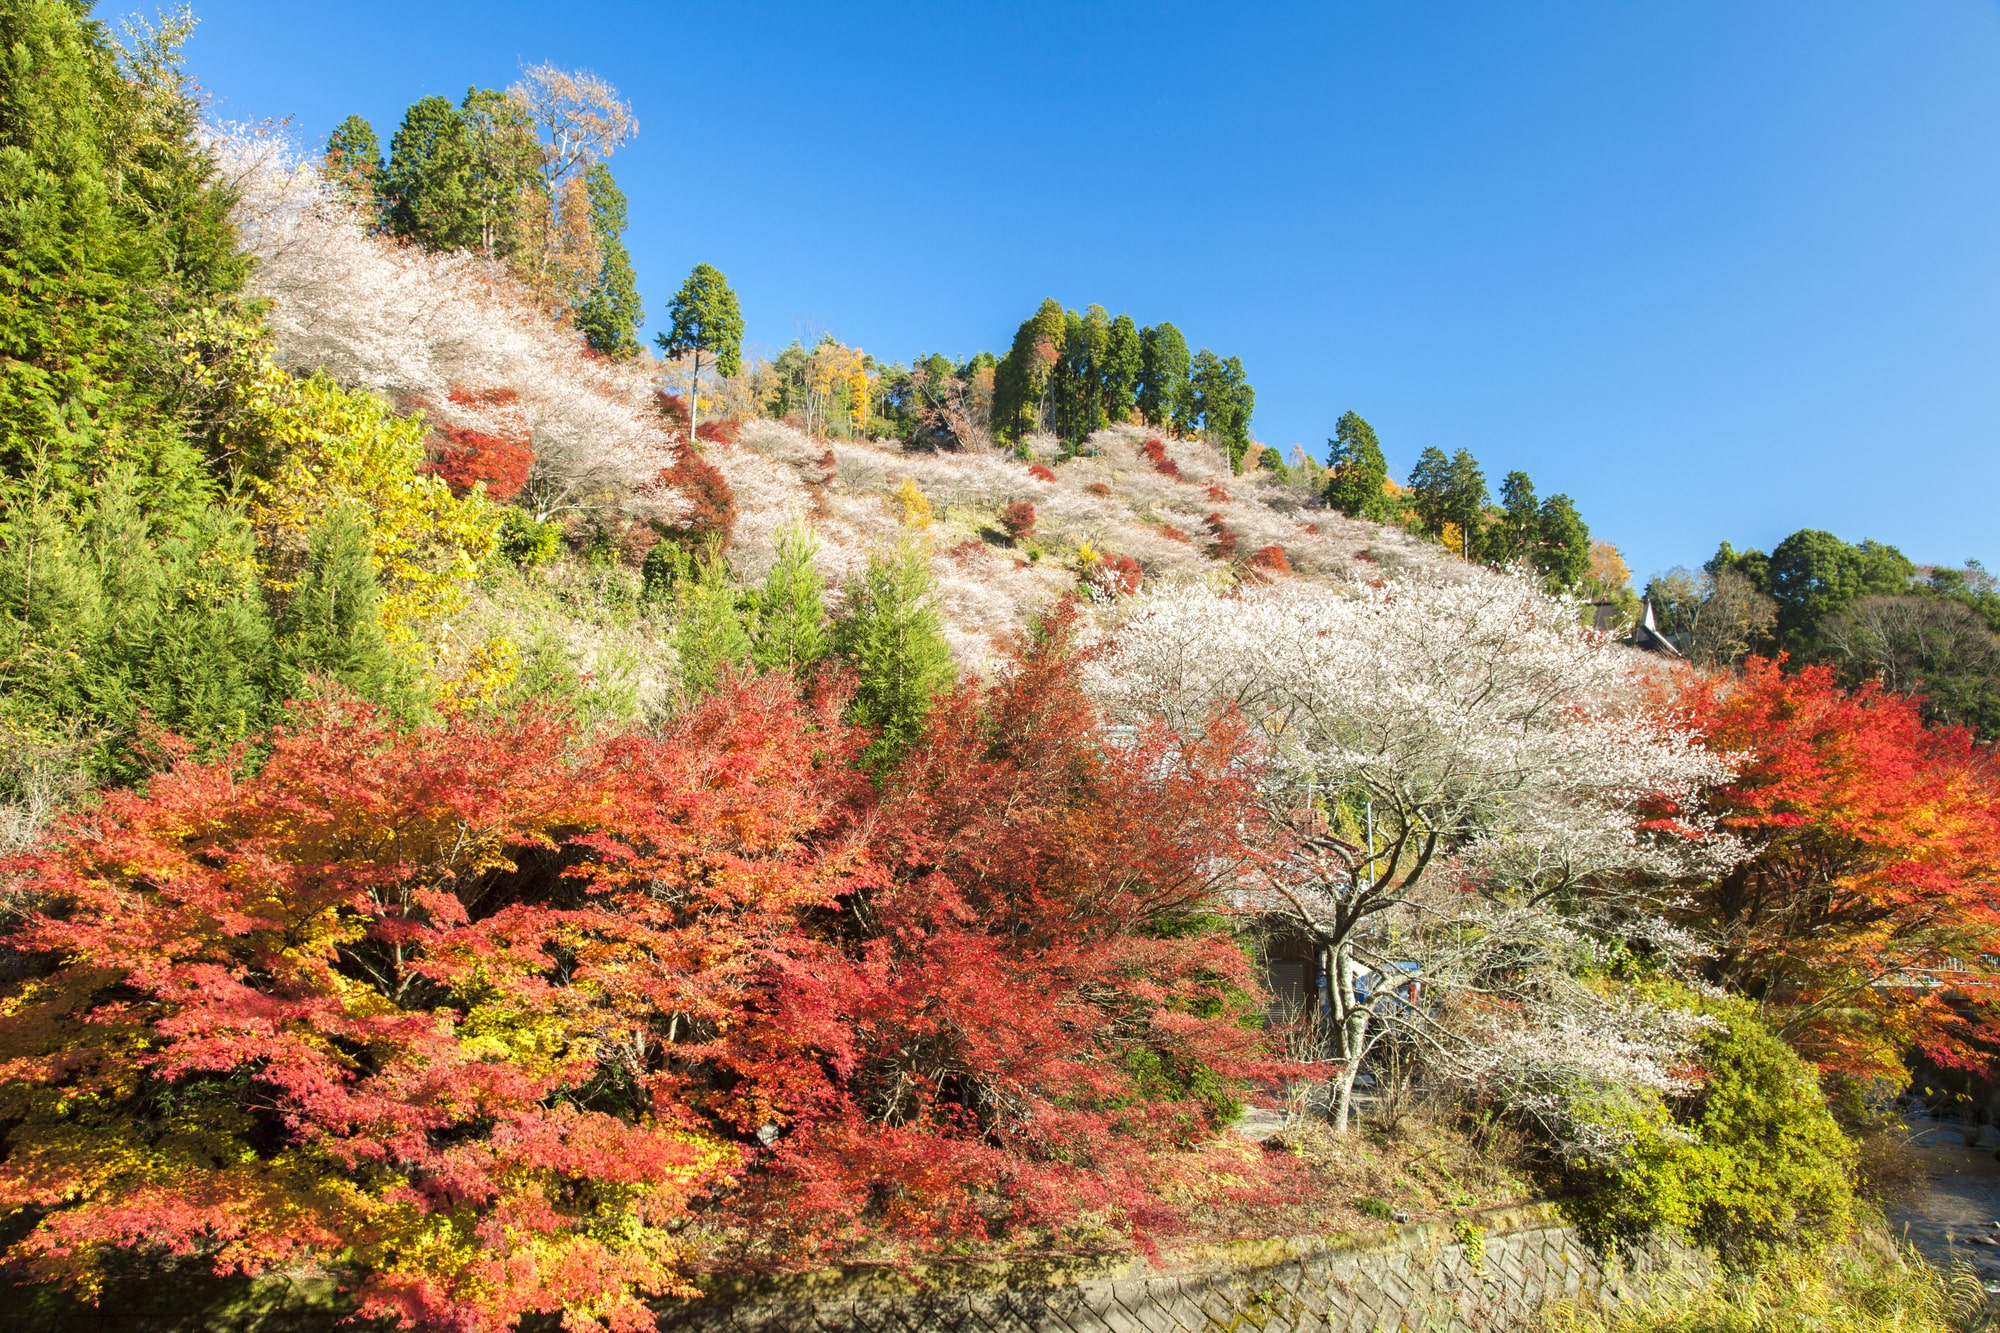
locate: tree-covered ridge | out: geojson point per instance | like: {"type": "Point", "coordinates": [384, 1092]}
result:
{"type": "Point", "coordinates": [519, 176]}
{"type": "Point", "coordinates": [1866, 609]}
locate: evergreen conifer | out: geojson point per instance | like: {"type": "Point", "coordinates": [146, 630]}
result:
{"type": "Point", "coordinates": [710, 638]}
{"type": "Point", "coordinates": [331, 625]}
{"type": "Point", "coordinates": [790, 633]}
{"type": "Point", "coordinates": [611, 314]}
{"type": "Point", "coordinates": [892, 635]}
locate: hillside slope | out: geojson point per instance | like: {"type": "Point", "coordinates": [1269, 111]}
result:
{"type": "Point", "coordinates": [453, 336]}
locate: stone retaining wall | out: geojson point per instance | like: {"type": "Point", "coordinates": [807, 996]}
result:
{"type": "Point", "coordinates": [1487, 1273]}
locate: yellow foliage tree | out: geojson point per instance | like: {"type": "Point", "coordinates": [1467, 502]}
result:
{"type": "Point", "coordinates": [313, 446]}
{"type": "Point", "coordinates": [857, 394]}
{"type": "Point", "coordinates": [914, 505]}
{"type": "Point", "coordinates": [834, 366]}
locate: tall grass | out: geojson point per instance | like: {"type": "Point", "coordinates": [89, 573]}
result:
{"type": "Point", "coordinates": [1862, 1288]}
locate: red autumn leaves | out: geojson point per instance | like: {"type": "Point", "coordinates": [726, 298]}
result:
{"type": "Point", "coordinates": [511, 1019]}
{"type": "Point", "coordinates": [499, 457]}
{"type": "Point", "coordinates": [1875, 855]}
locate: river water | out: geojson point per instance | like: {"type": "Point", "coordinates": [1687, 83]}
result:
{"type": "Point", "coordinates": [1956, 1217]}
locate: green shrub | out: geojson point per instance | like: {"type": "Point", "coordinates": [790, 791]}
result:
{"type": "Point", "coordinates": [1751, 1164]}
{"type": "Point", "coordinates": [527, 543]}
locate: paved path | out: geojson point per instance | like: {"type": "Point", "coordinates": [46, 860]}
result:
{"type": "Point", "coordinates": [1957, 1217]}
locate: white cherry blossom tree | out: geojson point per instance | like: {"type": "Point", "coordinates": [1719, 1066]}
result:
{"type": "Point", "coordinates": [1460, 734]}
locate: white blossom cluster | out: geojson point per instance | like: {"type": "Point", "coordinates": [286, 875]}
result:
{"type": "Point", "coordinates": [412, 326]}
{"type": "Point", "coordinates": [1527, 819]}
{"type": "Point", "coordinates": [1477, 710]}
{"type": "Point", "coordinates": [1109, 498]}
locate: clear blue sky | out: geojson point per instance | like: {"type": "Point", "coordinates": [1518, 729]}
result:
{"type": "Point", "coordinates": [1715, 269]}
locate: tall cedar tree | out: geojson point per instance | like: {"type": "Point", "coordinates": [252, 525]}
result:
{"type": "Point", "coordinates": [1021, 381]}
{"type": "Point", "coordinates": [1875, 842]}
{"type": "Point", "coordinates": [1074, 389]}
{"type": "Point", "coordinates": [1224, 401]}
{"type": "Point", "coordinates": [611, 314]}
{"type": "Point", "coordinates": [1514, 536]}
{"type": "Point", "coordinates": [706, 319]}
{"type": "Point", "coordinates": [1164, 394]}
{"type": "Point", "coordinates": [426, 184]}
{"type": "Point", "coordinates": [1119, 380]}
{"type": "Point", "coordinates": [1562, 543]}
{"type": "Point", "coordinates": [354, 161]}
{"type": "Point", "coordinates": [504, 159]}
{"type": "Point", "coordinates": [891, 634]}
{"type": "Point", "coordinates": [1466, 498]}
{"type": "Point", "coordinates": [1357, 478]}
{"type": "Point", "coordinates": [114, 233]}
{"type": "Point", "coordinates": [455, 174]}
{"type": "Point", "coordinates": [1430, 490]}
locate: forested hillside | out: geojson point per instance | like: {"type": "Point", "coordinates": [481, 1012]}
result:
{"type": "Point", "coordinates": [517, 824]}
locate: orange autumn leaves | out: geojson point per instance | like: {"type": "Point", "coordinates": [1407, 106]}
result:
{"type": "Point", "coordinates": [496, 1019]}
{"type": "Point", "coordinates": [1860, 918]}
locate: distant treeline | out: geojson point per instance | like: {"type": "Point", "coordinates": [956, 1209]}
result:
{"type": "Point", "coordinates": [1865, 609]}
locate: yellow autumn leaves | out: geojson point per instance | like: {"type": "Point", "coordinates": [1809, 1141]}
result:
{"type": "Point", "coordinates": [315, 448]}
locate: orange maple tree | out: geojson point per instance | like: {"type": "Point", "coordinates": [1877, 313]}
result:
{"type": "Point", "coordinates": [1871, 894]}
{"type": "Point", "coordinates": [413, 999]}
{"type": "Point", "coordinates": [496, 1019]}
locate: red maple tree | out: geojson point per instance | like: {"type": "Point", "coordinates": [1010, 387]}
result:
{"type": "Point", "coordinates": [1033, 996]}
{"type": "Point", "coordinates": [496, 1018]}
{"type": "Point", "coordinates": [1155, 451]}
{"type": "Point", "coordinates": [467, 457]}
{"type": "Point", "coordinates": [710, 517]}
{"type": "Point", "coordinates": [1861, 916]}
{"type": "Point", "coordinates": [1019, 520]}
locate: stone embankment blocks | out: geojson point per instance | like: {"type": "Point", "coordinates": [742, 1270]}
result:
{"type": "Point", "coordinates": [1483, 1274]}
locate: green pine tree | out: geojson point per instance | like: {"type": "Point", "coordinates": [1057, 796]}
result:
{"type": "Point", "coordinates": [427, 184]}
{"type": "Point", "coordinates": [891, 634]}
{"type": "Point", "coordinates": [706, 319]}
{"type": "Point", "coordinates": [611, 314]}
{"type": "Point", "coordinates": [1224, 401]}
{"type": "Point", "coordinates": [1075, 392]}
{"type": "Point", "coordinates": [1021, 380]}
{"type": "Point", "coordinates": [1119, 377]}
{"type": "Point", "coordinates": [710, 638]}
{"type": "Point", "coordinates": [1466, 499]}
{"type": "Point", "coordinates": [503, 158]}
{"type": "Point", "coordinates": [354, 159]}
{"type": "Point", "coordinates": [1355, 484]}
{"type": "Point", "coordinates": [791, 631]}
{"type": "Point", "coordinates": [1513, 538]}
{"type": "Point", "coordinates": [1562, 544]}
{"type": "Point", "coordinates": [1164, 396]}
{"type": "Point", "coordinates": [1430, 490]}
{"type": "Point", "coordinates": [330, 625]}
